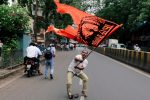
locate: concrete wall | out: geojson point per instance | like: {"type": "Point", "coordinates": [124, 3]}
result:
{"type": "Point", "coordinates": [140, 59]}
{"type": "Point", "coordinates": [26, 42]}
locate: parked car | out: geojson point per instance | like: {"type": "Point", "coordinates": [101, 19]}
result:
{"type": "Point", "coordinates": [103, 45]}
{"type": "Point", "coordinates": [118, 46]}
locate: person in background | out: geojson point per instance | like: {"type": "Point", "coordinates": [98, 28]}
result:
{"type": "Point", "coordinates": [75, 45]}
{"type": "Point", "coordinates": [71, 46]}
{"type": "Point", "coordinates": [76, 67]}
{"type": "Point", "coordinates": [1, 45]}
{"type": "Point", "coordinates": [136, 47]}
{"type": "Point", "coordinates": [67, 46]}
{"type": "Point", "coordinates": [33, 52]}
{"type": "Point", "coordinates": [49, 55]}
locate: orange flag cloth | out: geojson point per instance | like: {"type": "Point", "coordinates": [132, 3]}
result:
{"type": "Point", "coordinates": [91, 30]}
{"type": "Point", "coordinates": [62, 32]}
{"type": "Point", "coordinates": [75, 13]}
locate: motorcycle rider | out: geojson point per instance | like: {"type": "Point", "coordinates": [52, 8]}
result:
{"type": "Point", "coordinates": [33, 52]}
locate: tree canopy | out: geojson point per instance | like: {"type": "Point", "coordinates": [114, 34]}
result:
{"type": "Point", "coordinates": [128, 12]}
{"type": "Point", "coordinates": [13, 22]}
{"type": "Point", "coordinates": [3, 2]}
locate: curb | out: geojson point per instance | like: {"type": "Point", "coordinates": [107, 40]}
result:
{"type": "Point", "coordinates": [15, 70]}
{"type": "Point", "coordinates": [20, 67]}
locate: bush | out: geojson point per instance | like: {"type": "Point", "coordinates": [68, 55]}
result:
{"type": "Point", "coordinates": [13, 19]}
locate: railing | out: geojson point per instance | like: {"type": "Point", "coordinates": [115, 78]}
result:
{"type": "Point", "coordinates": [12, 59]}
{"type": "Point", "coordinates": [137, 59]}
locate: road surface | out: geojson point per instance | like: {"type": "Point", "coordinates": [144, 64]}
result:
{"type": "Point", "coordinates": [108, 80]}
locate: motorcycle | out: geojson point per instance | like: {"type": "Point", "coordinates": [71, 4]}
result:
{"type": "Point", "coordinates": [31, 67]}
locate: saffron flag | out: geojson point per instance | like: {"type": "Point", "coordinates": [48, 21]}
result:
{"type": "Point", "coordinates": [91, 30]}
{"type": "Point", "coordinates": [62, 32]}
{"type": "Point", "coordinates": [75, 13]}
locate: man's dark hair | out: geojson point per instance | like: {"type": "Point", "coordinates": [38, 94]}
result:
{"type": "Point", "coordinates": [32, 44]}
{"type": "Point", "coordinates": [84, 51]}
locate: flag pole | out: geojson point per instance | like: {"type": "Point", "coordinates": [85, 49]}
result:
{"type": "Point", "coordinates": [91, 51]}
{"type": "Point", "coordinates": [87, 55]}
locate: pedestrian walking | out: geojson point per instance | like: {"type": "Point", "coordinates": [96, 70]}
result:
{"type": "Point", "coordinates": [75, 45]}
{"type": "Point", "coordinates": [76, 67]}
{"type": "Point", "coordinates": [49, 61]}
{"type": "Point", "coordinates": [1, 45]}
{"type": "Point", "coordinates": [136, 47]}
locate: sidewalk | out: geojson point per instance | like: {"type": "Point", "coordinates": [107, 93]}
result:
{"type": "Point", "coordinates": [6, 72]}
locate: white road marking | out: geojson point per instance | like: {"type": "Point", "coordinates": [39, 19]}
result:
{"type": "Point", "coordinates": [129, 67]}
{"type": "Point", "coordinates": [81, 97]}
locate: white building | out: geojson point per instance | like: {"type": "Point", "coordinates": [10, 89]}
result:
{"type": "Point", "coordinates": [12, 2]}
{"type": "Point", "coordinates": [94, 5]}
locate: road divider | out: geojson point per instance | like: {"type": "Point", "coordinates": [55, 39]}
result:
{"type": "Point", "coordinates": [137, 59]}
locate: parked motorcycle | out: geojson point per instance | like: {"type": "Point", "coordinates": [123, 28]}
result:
{"type": "Point", "coordinates": [31, 67]}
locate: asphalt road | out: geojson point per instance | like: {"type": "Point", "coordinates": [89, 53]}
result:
{"type": "Point", "coordinates": [108, 80]}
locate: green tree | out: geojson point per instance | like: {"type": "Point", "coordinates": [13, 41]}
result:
{"type": "Point", "coordinates": [144, 10]}
{"type": "Point", "coordinates": [127, 12]}
{"type": "Point", "coordinates": [50, 16]}
{"type": "Point", "coordinates": [13, 22]}
{"type": "Point", "coordinates": [3, 2]}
